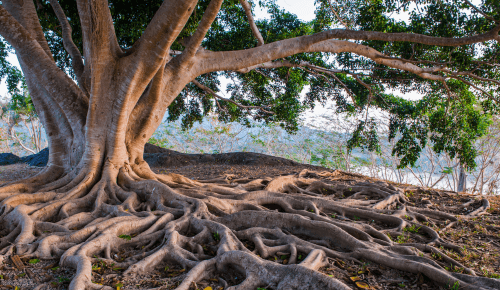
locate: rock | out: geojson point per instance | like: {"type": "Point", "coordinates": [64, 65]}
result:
{"type": "Point", "coordinates": [40, 159]}
{"type": "Point", "coordinates": [9, 158]}
{"type": "Point", "coordinates": [160, 157]}
{"type": "Point", "coordinates": [150, 148]}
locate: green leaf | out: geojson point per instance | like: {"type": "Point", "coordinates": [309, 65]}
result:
{"type": "Point", "coordinates": [125, 237]}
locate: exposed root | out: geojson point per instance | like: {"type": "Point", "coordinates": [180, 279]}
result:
{"type": "Point", "coordinates": [227, 224]}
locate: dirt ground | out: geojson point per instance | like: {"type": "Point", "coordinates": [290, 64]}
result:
{"type": "Point", "coordinates": [478, 237]}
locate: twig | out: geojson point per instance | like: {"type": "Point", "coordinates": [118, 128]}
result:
{"type": "Point", "coordinates": [214, 94]}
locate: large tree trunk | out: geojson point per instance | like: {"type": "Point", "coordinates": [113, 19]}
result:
{"type": "Point", "coordinates": [97, 186]}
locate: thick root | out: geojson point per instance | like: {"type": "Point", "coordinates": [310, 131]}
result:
{"type": "Point", "coordinates": [212, 227]}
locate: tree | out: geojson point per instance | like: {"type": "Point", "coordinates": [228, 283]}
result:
{"type": "Point", "coordinates": [20, 110]}
{"type": "Point", "coordinates": [132, 60]}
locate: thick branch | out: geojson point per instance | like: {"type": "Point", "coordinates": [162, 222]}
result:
{"type": "Point", "coordinates": [236, 60]}
{"type": "Point", "coordinates": [205, 23]}
{"type": "Point", "coordinates": [41, 66]}
{"type": "Point", "coordinates": [24, 12]}
{"type": "Point", "coordinates": [99, 38]}
{"type": "Point", "coordinates": [154, 45]}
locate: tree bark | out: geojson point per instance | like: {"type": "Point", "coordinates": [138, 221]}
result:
{"type": "Point", "coordinates": [462, 180]}
{"type": "Point", "coordinates": [97, 187]}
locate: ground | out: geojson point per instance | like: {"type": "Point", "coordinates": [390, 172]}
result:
{"type": "Point", "coordinates": [477, 237]}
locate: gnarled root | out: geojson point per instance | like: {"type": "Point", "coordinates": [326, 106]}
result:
{"type": "Point", "coordinates": [209, 228]}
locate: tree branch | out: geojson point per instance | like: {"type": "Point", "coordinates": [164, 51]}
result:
{"type": "Point", "coordinates": [14, 136]}
{"type": "Point", "coordinates": [43, 68]}
{"type": "Point", "coordinates": [347, 90]}
{"type": "Point", "coordinates": [480, 11]}
{"type": "Point", "coordinates": [237, 60]}
{"type": "Point", "coordinates": [25, 13]}
{"type": "Point", "coordinates": [253, 26]}
{"type": "Point", "coordinates": [68, 43]}
{"type": "Point", "coordinates": [208, 18]}
{"type": "Point", "coordinates": [214, 94]}
{"type": "Point", "coordinates": [285, 63]}
{"type": "Point", "coordinates": [99, 38]}
{"type": "Point", "coordinates": [319, 42]}
{"type": "Point", "coordinates": [154, 45]}
{"type": "Point", "coordinates": [337, 15]}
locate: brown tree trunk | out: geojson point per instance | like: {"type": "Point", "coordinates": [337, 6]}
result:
{"type": "Point", "coordinates": [97, 187]}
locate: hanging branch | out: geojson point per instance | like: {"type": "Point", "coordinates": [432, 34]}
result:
{"type": "Point", "coordinates": [215, 95]}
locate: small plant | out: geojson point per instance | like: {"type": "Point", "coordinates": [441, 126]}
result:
{"type": "Point", "coordinates": [402, 239]}
{"type": "Point", "coordinates": [356, 218]}
{"type": "Point", "coordinates": [119, 286]}
{"type": "Point", "coordinates": [334, 215]}
{"type": "Point", "coordinates": [412, 229]}
{"type": "Point", "coordinates": [125, 237]}
{"type": "Point", "coordinates": [55, 268]}
{"type": "Point", "coordinates": [436, 256]}
{"type": "Point", "coordinates": [216, 236]}
{"type": "Point", "coordinates": [407, 217]}
{"type": "Point", "coordinates": [490, 275]}
{"type": "Point", "coordinates": [34, 261]}
{"type": "Point", "coordinates": [455, 286]}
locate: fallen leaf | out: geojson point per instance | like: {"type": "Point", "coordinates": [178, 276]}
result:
{"type": "Point", "coordinates": [363, 285]}
{"type": "Point", "coordinates": [355, 278]}
{"type": "Point", "coordinates": [208, 288]}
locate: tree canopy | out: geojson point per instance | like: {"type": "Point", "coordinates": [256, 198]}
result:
{"type": "Point", "coordinates": [126, 63]}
